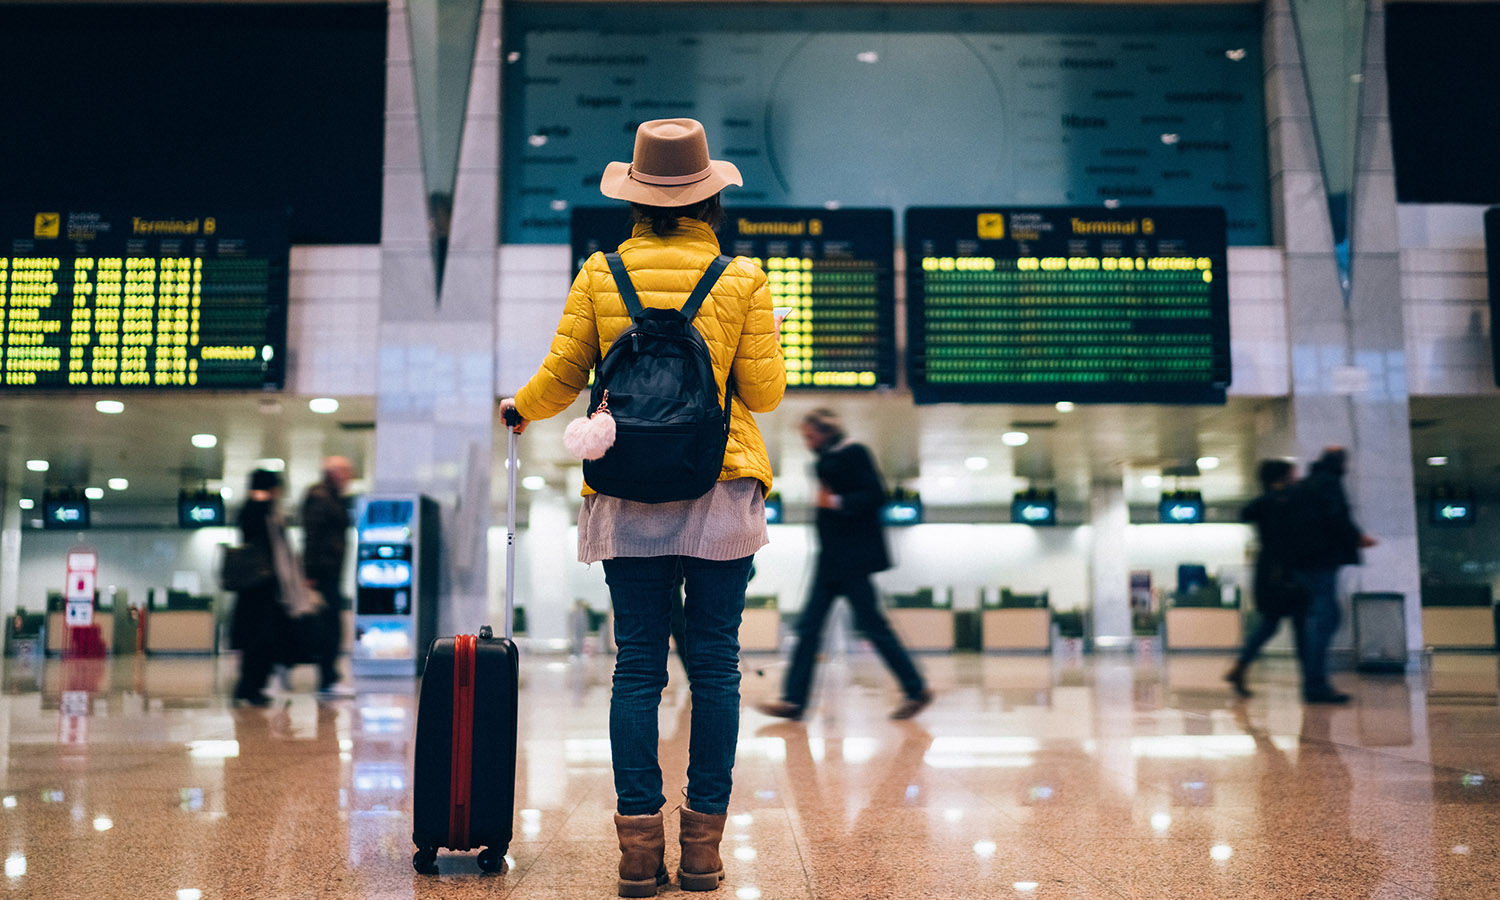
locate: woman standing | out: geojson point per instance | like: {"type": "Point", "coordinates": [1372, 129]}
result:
{"type": "Point", "coordinates": [673, 189]}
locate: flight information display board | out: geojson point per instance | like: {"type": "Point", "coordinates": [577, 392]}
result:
{"type": "Point", "coordinates": [834, 268]}
{"type": "Point", "coordinates": [1044, 304]}
{"type": "Point", "coordinates": [125, 299]}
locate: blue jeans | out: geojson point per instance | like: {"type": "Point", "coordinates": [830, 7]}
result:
{"type": "Point", "coordinates": [1319, 625]}
{"type": "Point", "coordinates": [641, 590]}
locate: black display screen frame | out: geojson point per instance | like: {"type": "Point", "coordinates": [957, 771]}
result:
{"type": "Point", "coordinates": [255, 240]}
{"type": "Point", "coordinates": [1048, 233]}
{"type": "Point", "coordinates": [863, 235]}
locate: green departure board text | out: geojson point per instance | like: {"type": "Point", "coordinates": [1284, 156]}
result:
{"type": "Point", "coordinates": [1043, 305]}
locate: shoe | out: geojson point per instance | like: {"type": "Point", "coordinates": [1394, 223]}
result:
{"type": "Point", "coordinates": [337, 690]}
{"type": "Point", "coordinates": [1236, 677]}
{"type": "Point", "coordinates": [912, 705]}
{"type": "Point", "coordinates": [1328, 696]}
{"type": "Point", "coordinates": [781, 709]}
{"type": "Point", "coordinates": [257, 699]}
{"type": "Point", "coordinates": [643, 848]}
{"type": "Point", "coordinates": [701, 868]}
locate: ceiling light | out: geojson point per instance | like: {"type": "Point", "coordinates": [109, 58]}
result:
{"type": "Point", "coordinates": [110, 407]}
{"type": "Point", "coordinates": [1431, 461]}
{"type": "Point", "coordinates": [119, 484]}
{"type": "Point", "coordinates": [533, 482]}
{"type": "Point", "coordinates": [271, 464]}
{"type": "Point", "coordinates": [1151, 481]}
{"type": "Point", "coordinates": [324, 405]}
{"type": "Point", "coordinates": [226, 492]}
{"type": "Point", "coordinates": [1065, 406]}
{"type": "Point", "coordinates": [976, 464]}
{"type": "Point", "coordinates": [28, 503]}
{"type": "Point", "coordinates": [94, 493]}
{"type": "Point", "coordinates": [205, 440]}
{"type": "Point", "coordinates": [37, 465]}
{"type": "Point", "coordinates": [1207, 463]}
{"type": "Point", "coordinates": [1014, 438]}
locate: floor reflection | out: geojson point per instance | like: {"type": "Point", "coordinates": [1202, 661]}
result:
{"type": "Point", "coordinates": [1093, 776]}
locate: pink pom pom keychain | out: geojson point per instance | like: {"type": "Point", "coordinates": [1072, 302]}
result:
{"type": "Point", "coordinates": [589, 437]}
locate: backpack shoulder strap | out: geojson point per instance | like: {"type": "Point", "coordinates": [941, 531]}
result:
{"type": "Point", "coordinates": [623, 282]}
{"type": "Point", "coordinates": [705, 284]}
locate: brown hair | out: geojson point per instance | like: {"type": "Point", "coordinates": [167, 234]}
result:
{"type": "Point", "coordinates": [663, 219]}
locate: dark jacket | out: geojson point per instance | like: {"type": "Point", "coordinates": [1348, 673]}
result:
{"type": "Point", "coordinates": [851, 538]}
{"type": "Point", "coordinates": [1275, 518]}
{"type": "Point", "coordinates": [325, 529]}
{"type": "Point", "coordinates": [1325, 536]}
{"type": "Point", "coordinates": [259, 620]}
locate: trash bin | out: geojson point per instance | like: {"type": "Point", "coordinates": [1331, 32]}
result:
{"type": "Point", "coordinates": [1380, 632]}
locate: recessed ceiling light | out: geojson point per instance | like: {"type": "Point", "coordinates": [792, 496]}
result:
{"type": "Point", "coordinates": [1208, 462]}
{"type": "Point", "coordinates": [271, 464]}
{"type": "Point", "coordinates": [94, 493]}
{"type": "Point", "coordinates": [1437, 460]}
{"type": "Point", "coordinates": [110, 407]}
{"type": "Point", "coordinates": [1014, 438]}
{"type": "Point", "coordinates": [533, 482]}
{"type": "Point", "coordinates": [1064, 406]}
{"type": "Point", "coordinates": [205, 440]}
{"type": "Point", "coordinates": [28, 503]}
{"type": "Point", "coordinates": [119, 484]}
{"type": "Point", "coordinates": [324, 405]}
{"type": "Point", "coordinates": [976, 464]}
{"type": "Point", "coordinates": [226, 492]}
{"type": "Point", "coordinates": [37, 465]}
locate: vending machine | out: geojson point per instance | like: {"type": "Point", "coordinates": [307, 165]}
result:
{"type": "Point", "coordinates": [395, 584]}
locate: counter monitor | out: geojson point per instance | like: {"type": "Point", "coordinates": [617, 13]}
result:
{"type": "Point", "coordinates": [1039, 305]}
{"type": "Point", "coordinates": [109, 299]}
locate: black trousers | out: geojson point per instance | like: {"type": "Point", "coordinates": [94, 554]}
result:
{"type": "Point", "coordinates": [828, 585]}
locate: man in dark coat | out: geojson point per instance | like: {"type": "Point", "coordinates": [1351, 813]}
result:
{"type": "Point", "coordinates": [1278, 595]}
{"type": "Point", "coordinates": [851, 542]}
{"type": "Point", "coordinates": [1325, 538]}
{"type": "Point", "coordinates": [325, 528]}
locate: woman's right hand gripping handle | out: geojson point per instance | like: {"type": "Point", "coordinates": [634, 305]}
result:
{"type": "Point", "coordinates": [512, 416]}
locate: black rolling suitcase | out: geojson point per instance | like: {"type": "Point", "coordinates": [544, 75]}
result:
{"type": "Point", "coordinates": [464, 789]}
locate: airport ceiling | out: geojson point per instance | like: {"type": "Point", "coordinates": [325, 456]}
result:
{"type": "Point", "coordinates": [955, 455]}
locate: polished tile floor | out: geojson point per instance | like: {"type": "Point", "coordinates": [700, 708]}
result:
{"type": "Point", "coordinates": [1029, 777]}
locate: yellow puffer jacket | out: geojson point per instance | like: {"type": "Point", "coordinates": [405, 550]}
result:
{"type": "Point", "coordinates": [735, 321]}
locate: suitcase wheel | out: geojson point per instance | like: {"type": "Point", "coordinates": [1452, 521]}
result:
{"type": "Point", "coordinates": [492, 859]}
{"type": "Point", "coordinates": [425, 860]}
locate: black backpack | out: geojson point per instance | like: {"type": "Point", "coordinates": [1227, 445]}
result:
{"type": "Point", "coordinates": [657, 381]}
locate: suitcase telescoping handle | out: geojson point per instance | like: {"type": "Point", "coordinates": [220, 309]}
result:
{"type": "Point", "coordinates": [512, 419]}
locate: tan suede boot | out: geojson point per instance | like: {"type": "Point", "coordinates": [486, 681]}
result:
{"type": "Point", "coordinates": [701, 868]}
{"type": "Point", "coordinates": [643, 844]}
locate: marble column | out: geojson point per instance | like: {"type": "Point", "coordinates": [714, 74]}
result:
{"type": "Point", "coordinates": [1109, 568]}
{"type": "Point", "coordinates": [1348, 358]}
{"type": "Point", "coordinates": [436, 383]}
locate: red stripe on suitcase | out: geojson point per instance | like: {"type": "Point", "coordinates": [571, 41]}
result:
{"type": "Point", "coordinates": [461, 766]}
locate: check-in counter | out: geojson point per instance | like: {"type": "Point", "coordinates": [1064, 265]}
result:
{"type": "Point", "coordinates": [923, 629]}
{"type": "Point", "coordinates": [1018, 629]}
{"type": "Point", "coordinates": [760, 630]}
{"type": "Point", "coordinates": [182, 631]}
{"type": "Point", "coordinates": [57, 630]}
{"type": "Point", "coordinates": [1203, 628]}
{"type": "Point", "coordinates": [1458, 627]}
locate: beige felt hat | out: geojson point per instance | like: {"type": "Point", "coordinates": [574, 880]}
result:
{"type": "Point", "coordinates": [671, 167]}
